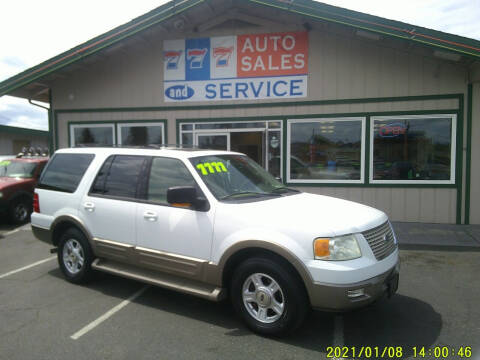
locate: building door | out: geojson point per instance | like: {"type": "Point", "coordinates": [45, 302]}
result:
{"type": "Point", "coordinates": [215, 141]}
{"type": "Point", "coordinates": [260, 140]}
{"type": "Point", "coordinates": [251, 143]}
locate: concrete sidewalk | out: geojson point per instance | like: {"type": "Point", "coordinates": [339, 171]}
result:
{"type": "Point", "coordinates": [437, 236]}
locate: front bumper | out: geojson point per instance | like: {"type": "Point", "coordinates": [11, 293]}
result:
{"type": "Point", "coordinates": [332, 297]}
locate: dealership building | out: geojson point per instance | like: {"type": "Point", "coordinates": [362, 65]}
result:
{"type": "Point", "coordinates": [331, 101]}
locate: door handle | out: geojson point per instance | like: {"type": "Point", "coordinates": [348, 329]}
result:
{"type": "Point", "coordinates": [89, 206]}
{"type": "Point", "coordinates": [150, 215]}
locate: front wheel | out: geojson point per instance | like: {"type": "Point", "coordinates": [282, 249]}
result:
{"type": "Point", "coordinates": [75, 256]}
{"type": "Point", "coordinates": [268, 296]}
{"type": "Point", "coordinates": [20, 211]}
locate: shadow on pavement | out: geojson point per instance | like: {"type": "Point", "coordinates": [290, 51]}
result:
{"type": "Point", "coordinates": [5, 226]}
{"type": "Point", "coordinates": [402, 321]}
{"type": "Point", "coordinates": [315, 334]}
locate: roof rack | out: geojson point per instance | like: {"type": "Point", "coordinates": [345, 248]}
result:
{"type": "Point", "coordinates": [33, 152]}
{"type": "Point", "coordinates": [149, 146]}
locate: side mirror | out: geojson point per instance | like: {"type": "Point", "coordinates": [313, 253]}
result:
{"type": "Point", "coordinates": [186, 197]}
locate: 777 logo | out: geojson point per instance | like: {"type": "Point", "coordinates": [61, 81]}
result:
{"type": "Point", "coordinates": [222, 55]}
{"type": "Point", "coordinates": [196, 57]}
{"type": "Point", "coordinates": [172, 58]}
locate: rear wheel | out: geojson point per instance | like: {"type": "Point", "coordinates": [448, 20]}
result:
{"type": "Point", "coordinates": [268, 296]}
{"type": "Point", "coordinates": [20, 211]}
{"type": "Point", "coordinates": [75, 256]}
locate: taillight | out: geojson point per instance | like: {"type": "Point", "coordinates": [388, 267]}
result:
{"type": "Point", "coordinates": [36, 203]}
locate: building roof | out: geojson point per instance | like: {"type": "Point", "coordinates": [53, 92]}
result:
{"type": "Point", "coordinates": [309, 9]}
{"type": "Point", "coordinates": [22, 131]}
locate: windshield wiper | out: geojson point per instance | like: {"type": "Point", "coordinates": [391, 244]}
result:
{"type": "Point", "coordinates": [284, 188]}
{"type": "Point", "coordinates": [253, 193]}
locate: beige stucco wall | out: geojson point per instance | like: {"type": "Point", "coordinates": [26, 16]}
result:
{"type": "Point", "coordinates": [475, 162]}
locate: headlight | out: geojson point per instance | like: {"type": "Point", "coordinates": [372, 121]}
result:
{"type": "Point", "coordinates": [337, 248]}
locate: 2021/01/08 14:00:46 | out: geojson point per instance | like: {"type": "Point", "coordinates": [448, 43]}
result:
{"type": "Point", "coordinates": [437, 352]}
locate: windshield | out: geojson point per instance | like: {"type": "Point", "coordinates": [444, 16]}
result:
{"type": "Point", "coordinates": [236, 176]}
{"type": "Point", "coordinates": [17, 169]}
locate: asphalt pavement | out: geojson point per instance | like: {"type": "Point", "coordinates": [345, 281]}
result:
{"type": "Point", "coordinates": [436, 305]}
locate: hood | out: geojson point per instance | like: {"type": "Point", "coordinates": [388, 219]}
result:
{"type": "Point", "coordinates": [316, 215]}
{"type": "Point", "coordinates": [7, 182]}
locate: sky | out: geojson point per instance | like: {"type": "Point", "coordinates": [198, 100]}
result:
{"type": "Point", "coordinates": [34, 31]}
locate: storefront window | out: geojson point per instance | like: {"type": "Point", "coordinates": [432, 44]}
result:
{"type": "Point", "coordinates": [187, 139]}
{"type": "Point", "coordinates": [87, 135]}
{"type": "Point", "coordinates": [130, 134]}
{"type": "Point", "coordinates": [413, 149]}
{"type": "Point", "coordinates": [326, 150]}
{"type": "Point", "coordinates": [140, 134]}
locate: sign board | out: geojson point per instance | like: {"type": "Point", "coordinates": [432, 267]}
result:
{"type": "Point", "coordinates": [392, 130]}
{"type": "Point", "coordinates": [240, 67]}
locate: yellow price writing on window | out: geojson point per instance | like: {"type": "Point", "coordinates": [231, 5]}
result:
{"type": "Point", "coordinates": [211, 167]}
{"type": "Point", "coordinates": [5, 163]}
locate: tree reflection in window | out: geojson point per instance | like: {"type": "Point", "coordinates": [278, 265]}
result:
{"type": "Point", "coordinates": [412, 148]}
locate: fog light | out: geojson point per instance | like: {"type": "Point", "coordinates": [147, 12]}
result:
{"type": "Point", "coordinates": [352, 294]}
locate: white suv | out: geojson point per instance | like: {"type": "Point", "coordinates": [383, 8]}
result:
{"type": "Point", "coordinates": [212, 223]}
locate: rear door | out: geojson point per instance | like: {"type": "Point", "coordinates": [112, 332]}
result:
{"type": "Point", "coordinates": [169, 238]}
{"type": "Point", "coordinates": [109, 208]}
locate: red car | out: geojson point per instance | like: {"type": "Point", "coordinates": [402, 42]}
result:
{"type": "Point", "coordinates": [18, 178]}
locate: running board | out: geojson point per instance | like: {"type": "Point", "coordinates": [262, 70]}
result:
{"type": "Point", "coordinates": [172, 282]}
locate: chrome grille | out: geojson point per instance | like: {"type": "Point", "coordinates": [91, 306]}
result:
{"type": "Point", "coordinates": [381, 240]}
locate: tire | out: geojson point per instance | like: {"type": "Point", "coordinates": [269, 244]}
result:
{"type": "Point", "coordinates": [271, 313]}
{"type": "Point", "coordinates": [75, 256]}
{"type": "Point", "coordinates": [19, 211]}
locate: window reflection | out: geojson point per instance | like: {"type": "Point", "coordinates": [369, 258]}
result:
{"type": "Point", "coordinates": [326, 150]}
{"type": "Point", "coordinates": [412, 149]}
{"type": "Point", "coordinates": [95, 135]}
{"type": "Point", "coordinates": [141, 135]}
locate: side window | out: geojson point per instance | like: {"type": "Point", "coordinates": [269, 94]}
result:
{"type": "Point", "coordinates": [64, 172]}
{"type": "Point", "coordinates": [119, 176]}
{"type": "Point", "coordinates": [99, 184]}
{"type": "Point", "coordinates": [165, 173]}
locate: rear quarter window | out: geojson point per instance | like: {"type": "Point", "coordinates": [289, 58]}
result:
{"type": "Point", "coordinates": [64, 172]}
{"type": "Point", "coordinates": [120, 176]}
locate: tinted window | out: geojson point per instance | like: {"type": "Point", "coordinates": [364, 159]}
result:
{"type": "Point", "coordinates": [119, 176]}
{"type": "Point", "coordinates": [94, 135]}
{"type": "Point", "coordinates": [327, 149]}
{"type": "Point", "coordinates": [166, 173]}
{"type": "Point", "coordinates": [99, 184]}
{"type": "Point", "coordinates": [65, 171]}
{"type": "Point", "coordinates": [412, 148]}
{"type": "Point", "coordinates": [141, 134]}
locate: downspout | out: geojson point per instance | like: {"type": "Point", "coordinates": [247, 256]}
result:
{"type": "Point", "coordinates": [43, 107]}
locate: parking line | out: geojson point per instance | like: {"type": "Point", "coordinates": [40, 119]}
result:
{"type": "Point", "coordinates": [24, 227]}
{"type": "Point", "coordinates": [338, 338]}
{"type": "Point", "coordinates": [108, 314]}
{"type": "Point", "coordinates": [27, 267]}
{"type": "Point", "coordinates": [12, 231]}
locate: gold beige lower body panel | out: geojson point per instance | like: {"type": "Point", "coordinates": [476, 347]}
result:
{"type": "Point", "coordinates": [161, 279]}
{"type": "Point", "coordinates": [182, 266]}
